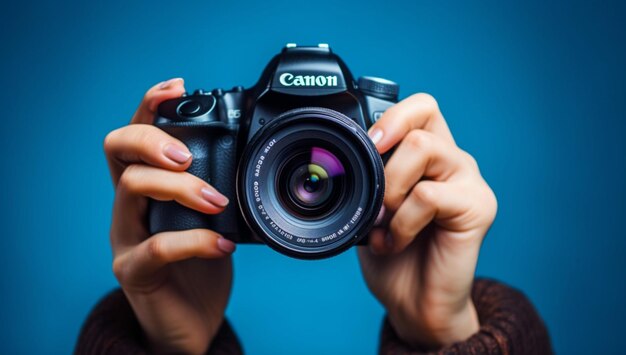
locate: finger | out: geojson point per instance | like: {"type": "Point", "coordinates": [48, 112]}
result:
{"type": "Point", "coordinates": [168, 247]}
{"type": "Point", "coordinates": [417, 211]}
{"type": "Point", "coordinates": [419, 111]}
{"type": "Point", "coordinates": [141, 181]}
{"type": "Point", "coordinates": [154, 96]}
{"type": "Point", "coordinates": [457, 207]}
{"type": "Point", "coordinates": [377, 241]}
{"type": "Point", "coordinates": [142, 143]}
{"type": "Point", "coordinates": [164, 185]}
{"type": "Point", "coordinates": [422, 154]}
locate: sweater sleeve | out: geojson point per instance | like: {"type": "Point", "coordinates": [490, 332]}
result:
{"type": "Point", "coordinates": [509, 324]}
{"type": "Point", "coordinates": [112, 328]}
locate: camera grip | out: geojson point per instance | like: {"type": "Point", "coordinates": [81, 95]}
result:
{"type": "Point", "coordinates": [213, 149]}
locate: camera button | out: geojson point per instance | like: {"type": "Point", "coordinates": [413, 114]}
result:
{"type": "Point", "coordinates": [376, 115]}
{"type": "Point", "coordinates": [189, 108]}
{"type": "Point", "coordinates": [379, 87]}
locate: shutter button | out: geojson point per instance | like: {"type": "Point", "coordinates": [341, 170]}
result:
{"type": "Point", "coordinates": [188, 108]}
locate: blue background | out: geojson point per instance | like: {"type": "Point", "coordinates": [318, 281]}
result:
{"type": "Point", "coordinates": [535, 91]}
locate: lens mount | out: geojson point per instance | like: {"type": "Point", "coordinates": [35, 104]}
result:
{"type": "Point", "coordinates": [310, 183]}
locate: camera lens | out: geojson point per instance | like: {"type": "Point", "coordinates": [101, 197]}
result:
{"type": "Point", "coordinates": [310, 183]}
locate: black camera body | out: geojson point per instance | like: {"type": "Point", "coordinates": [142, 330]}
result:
{"type": "Point", "coordinates": [291, 153]}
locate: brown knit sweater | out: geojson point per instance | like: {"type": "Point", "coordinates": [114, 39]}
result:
{"type": "Point", "coordinates": [509, 325]}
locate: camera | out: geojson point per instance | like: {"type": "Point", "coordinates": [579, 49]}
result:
{"type": "Point", "coordinates": [291, 153]}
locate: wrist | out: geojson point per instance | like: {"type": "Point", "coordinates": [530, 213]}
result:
{"type": "Point", "coordinates": [435, 328]}
{"type": "Point", "coordinates": [170, 329]}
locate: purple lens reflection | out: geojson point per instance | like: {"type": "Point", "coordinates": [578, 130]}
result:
{"type": "Point", "coordinates": [305, 196]}
{"type": "Point", "coordinates": [311, 184]}
{"type": "Point", "coordinates": [327, 160]}
{"type": "Point", "coordinates": [311, 181]}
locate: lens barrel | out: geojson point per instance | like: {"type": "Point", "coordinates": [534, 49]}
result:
{"type": "Point", "coordinates": [310, 183]}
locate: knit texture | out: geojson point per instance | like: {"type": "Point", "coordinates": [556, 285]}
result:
{"type": "Point", "coordinates": [509, 324]}
{"type": "Point", "coordinates": [112, 328]}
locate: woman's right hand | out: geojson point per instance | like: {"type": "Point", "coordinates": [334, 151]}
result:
{"type": "Point", "coordinates": [178, 283]}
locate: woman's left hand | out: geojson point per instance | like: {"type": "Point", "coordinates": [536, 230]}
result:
{"type": "Point", "coordinates": [421, 264]}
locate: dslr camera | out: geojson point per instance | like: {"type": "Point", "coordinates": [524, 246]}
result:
{"type": "Point", "coordinates": [291, 153]}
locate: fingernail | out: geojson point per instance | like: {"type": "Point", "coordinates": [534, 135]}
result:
{"type": "Point", "coordinates": [388, 241]}
{"type": "Point", "coordinates": [169, 83]}
{"type": "Point", "coordinates": [379, 218]}
{"type": "Point", "coordinates": [176, 153]}
{"type": "Point", "coordinates": [214, 197]}
{"type": "Point", "coordinates": [376, 134]}
{"type": "Point", "coordinates": [225, 245]}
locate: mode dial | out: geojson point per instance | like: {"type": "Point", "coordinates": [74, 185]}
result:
{"type": "Point", "coordinates": [379, 87]}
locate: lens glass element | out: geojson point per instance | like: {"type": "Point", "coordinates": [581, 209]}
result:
{"type": "Point", "coordinates": [310, 182]}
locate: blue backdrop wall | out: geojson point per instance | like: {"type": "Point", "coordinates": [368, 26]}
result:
{"type": "Point", "coordinates": [535, 91]}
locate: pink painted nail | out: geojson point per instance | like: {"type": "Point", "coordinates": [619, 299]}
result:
{"type": "Point", "coordinates": [214, 197]}
{"type": "Point", "coordinates": [167, 84]}
{"type": "Point", "coordinates": [376, 134]}
{"type": "Point", "coordinates": [225, 245]}
{"type": "Point", "coordinates": [176, 153]}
